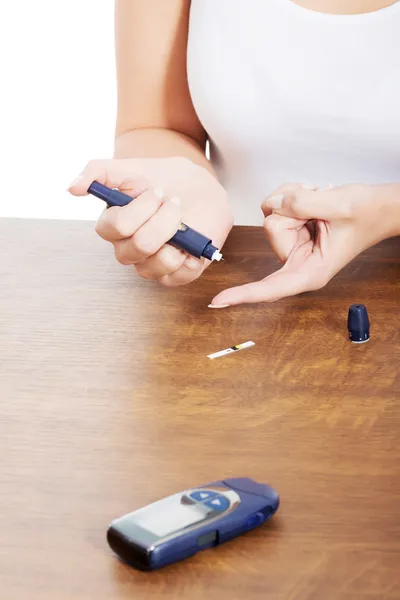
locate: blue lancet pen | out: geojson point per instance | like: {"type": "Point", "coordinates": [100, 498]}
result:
{"type": "Point", "coordinates": [185, 238]}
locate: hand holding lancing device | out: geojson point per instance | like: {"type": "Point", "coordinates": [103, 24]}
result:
{"type": "Point", "coordinates": [167, 192]}
{"type": "Point", "coordinates": [345, 221]}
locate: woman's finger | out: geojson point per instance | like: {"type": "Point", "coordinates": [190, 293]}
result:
{"type": "Point", "coordinates": [121, 222]}
{"type": "Point", "coordinates": [301, 273]}
{"type": "Point", "coordinates": [112, 173]}
{"type": "Point", "coordinates": [191, 269]}
{"type": "Point", "coordinates": [305, 204]}
{"type": "Point", "coordinates": [152, 235]}
{"type": "Point", "coordinates": [166, 261]}
{"type": "Point", "coordinates": [272, 288]}
{"type": "Point", "coordinates": [283, 189]}
{"type": "Point", "coordinates": [282, 234]}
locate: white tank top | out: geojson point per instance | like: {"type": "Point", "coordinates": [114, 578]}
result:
{"type": "Point", "coordinates": [289, 94]}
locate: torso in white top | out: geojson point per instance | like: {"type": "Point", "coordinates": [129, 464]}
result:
{"type": "Point", "coordinates": [290, 94]}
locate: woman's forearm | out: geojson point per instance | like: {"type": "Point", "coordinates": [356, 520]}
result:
{"type": "Point", "coordinates": [160, 143]}
{"type": "Point", "coordinates": [396, 209]}
{"type": "Point", "coordinates": [391, 208]}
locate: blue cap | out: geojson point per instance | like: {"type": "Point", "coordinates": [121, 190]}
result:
{"type": "Point", "coordinates": [358, 324]}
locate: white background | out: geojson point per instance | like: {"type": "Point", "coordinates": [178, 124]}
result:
{"type": "Point", "coordinates": [57, 103]}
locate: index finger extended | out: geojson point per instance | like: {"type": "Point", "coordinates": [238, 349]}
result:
{"type": "Point", "coordinates": [279, 285]}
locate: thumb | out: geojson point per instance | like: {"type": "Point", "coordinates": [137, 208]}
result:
{"type": "Point", "coordinates": [305, 204]}
{"type": "Point", "coordinates": [279, 285]}
{"type": "Point", "coordinates": [112, 173]}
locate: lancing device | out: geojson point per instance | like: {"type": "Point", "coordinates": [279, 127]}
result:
{"type": "Point", "coordinates": [186, 238]}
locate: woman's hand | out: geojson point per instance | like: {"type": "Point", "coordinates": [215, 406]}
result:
{"type": "Point", "coordinates": [168, 191]}
{"type": "Point", "coordinates": [316, 233]}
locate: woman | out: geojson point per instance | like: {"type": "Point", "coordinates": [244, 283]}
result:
{"type": "Point", "coordinates": [299, 100]}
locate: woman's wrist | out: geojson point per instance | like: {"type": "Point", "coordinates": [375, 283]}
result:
{"type": "Point", "coordinates": [161, 143]}
{"type": "Point", "coordinates": [389, 201]}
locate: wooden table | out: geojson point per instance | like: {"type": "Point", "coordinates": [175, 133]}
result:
{"type": "Point", "coordinates": [109, 402]}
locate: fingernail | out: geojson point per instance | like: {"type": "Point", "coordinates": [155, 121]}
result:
{"type": "Point", "coordinates": [75, 181]}
{"type": "Point", "coordinates": [309, 186]}
{"type": "Point", "coordinates": [218, 305]}
{"type": "Point", "coordinates": [276, 201]}
{"type": "Point", "coordinates": [159, 192]}
{"type": "Point", "coordinates": [175, 200]}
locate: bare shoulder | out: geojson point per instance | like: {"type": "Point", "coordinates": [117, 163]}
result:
{"type": "Point", "coordinates": [151, 46]}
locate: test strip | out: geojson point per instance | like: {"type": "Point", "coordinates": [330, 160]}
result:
{"type": "Point", "coordinates": [230, 350]}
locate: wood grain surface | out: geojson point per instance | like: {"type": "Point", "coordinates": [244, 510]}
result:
{"type": "Point", "coordinates": [109, 402]}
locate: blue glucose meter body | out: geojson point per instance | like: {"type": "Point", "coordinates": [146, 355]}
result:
{"type": "Point", "coordinates": [181, 525]}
